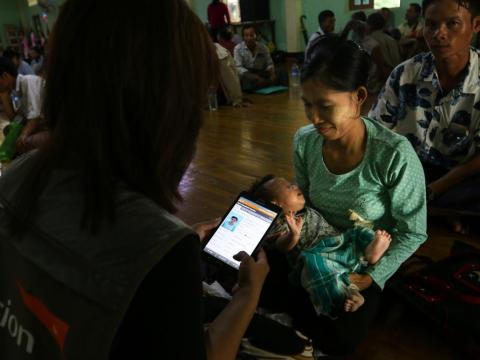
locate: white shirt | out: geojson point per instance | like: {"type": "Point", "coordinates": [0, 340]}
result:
{"type": "Point", "coordinates": [28, 96]}
{"type": "Point", "coordinates": [315, 35]}
{"type": "Point", "coordinates": [259, 60]}
{"type": "Point", "coordinates": [411, 31]}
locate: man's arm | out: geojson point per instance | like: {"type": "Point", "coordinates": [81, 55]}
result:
{"type": "Point", "coordinates": [227, 14]}
{"type": "Point", "coordinates": [456, 175]}
{"type": "Point", "coordinates": [7, 105]}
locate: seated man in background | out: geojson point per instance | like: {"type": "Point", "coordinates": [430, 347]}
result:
{"type": "Point", "coordinates": [433, 100]}
{"type": "Point", "coordinates": [254, 63]}
{"type": "Point", "coordinates": [35, 55]}
{"type": "Point", "coordinates": [412, 41]}
{"type": "Point", "coordinates": [230, 90]}
{"type": "Point", "coordinates": [388, 45]}
{"type": "Point", "coordinates": [225, 39]}
{"type": "Point", "coordinates": [21, 98]}
{"type": "Point", "coordinates": [358, 19]}
{"type": "Point", "coordinates": [326, 25]}
{"type": "Point", "coordinates": [377, 72]}
{"type": "Point", "coordinates": [23, 68]}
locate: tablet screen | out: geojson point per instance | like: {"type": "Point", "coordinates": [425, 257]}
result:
{"type": "Point", "coordinates": [241, 230]}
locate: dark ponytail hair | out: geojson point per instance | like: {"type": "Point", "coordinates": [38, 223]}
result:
{"type": "Point", "coordinates": [341, 65]}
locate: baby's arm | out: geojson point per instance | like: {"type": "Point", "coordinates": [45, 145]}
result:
{"type": "Point", "coordinates": [288, 241]}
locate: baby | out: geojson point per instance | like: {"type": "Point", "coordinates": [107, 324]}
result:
{"type": "Point", "coordinates": [321, 257]}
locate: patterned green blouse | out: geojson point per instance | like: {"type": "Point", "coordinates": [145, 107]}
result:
{"type": "Point", "coordinates": [386, 188]}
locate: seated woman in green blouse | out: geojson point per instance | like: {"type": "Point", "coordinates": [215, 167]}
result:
{"type": "Point", "coordinates": [344, 161]}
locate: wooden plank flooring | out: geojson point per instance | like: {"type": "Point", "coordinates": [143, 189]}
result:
{"type": "Point", "coordinates": [237, 145]}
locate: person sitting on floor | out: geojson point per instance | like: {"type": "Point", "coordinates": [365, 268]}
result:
{"type": "Point", "coordinates": [21, 97]}
{"type": "Point", "coordinates": [254, 63]}
{"type": "Point", "coordinates": [321, 258]}
{"type": "Point", "coordinates": [412, 41]}
{"type": "Point", "coordinates": [433, 100]}
{"type": "Point", "coordinates": [377, 73]}
{"type": "Point", "coordinates": [224, 38]}
{"type": "Point", "coordinates": [35, 55]}
{"type": "Point", "coordinates": [358, 17]}
{"type": "Point", "coordinates": [23, 68]}
{"type": "Point", "coordinates": [326, 25]}
{"type": "Point", "coordinates": [230, 90]}
{"type": "Point", "coordinates": [388, 45]}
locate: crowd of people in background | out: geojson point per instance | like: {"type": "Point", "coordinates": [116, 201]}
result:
{"type": "Point", "coordinates": [389, 46]}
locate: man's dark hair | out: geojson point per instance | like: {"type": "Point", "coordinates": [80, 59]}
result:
{"type": "Point", "coordinates": [339, 64]}
{"type": "Point", "coordinates": [376, 21]}
{"type": "Point", "coordinates": [359, 15]}
{"type": "Point", "coordinates": [473, 6]}
{"type": "Point", "coordinates": [10, 53]}
{"type": "Point", "coordinates": [417, 7]}
{"type": "Point", "coordinates": [7, 66]}
{"type": "Point", "coordinates": [324, 15]}
{"type": "Point", "coordinates": [258, 190]}
{"type": "Point", "coordinates": [234, 217]}
{"type": "Point", "coordinates": [248, 26]}
{"type": "Point", "coordinates": [136, 125]}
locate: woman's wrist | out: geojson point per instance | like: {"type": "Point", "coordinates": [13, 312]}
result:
{"type": "Point", "coordinates": [248, 295]}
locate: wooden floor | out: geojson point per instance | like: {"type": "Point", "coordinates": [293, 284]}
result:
{"type": "Point", "coordinates": [238, 145]}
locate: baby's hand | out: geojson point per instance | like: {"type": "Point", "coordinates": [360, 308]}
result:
{"type": "Point", "coordinates": [295, 224]}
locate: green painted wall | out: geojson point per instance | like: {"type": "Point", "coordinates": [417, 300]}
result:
{"type": "Point", "coordinates": [29, 11]}
{"type": "Point", "coordinates": [17, 11]}
{"type": "Point", "coordinates": [9, 14]}
{"type": "Point", "coordinates": [277, 12]}
{"type": "Point", "coordinates": [200, 8]}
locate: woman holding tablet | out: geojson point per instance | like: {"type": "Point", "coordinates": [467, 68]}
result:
{"type": "Point", "coordinates": [93, 261]}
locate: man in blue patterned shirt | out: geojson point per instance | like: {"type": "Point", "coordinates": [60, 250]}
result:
{"type": "Point", "coordinates": [434, 100]}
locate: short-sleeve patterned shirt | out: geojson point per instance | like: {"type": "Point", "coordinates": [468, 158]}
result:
{"type": "Point", "coordinates": [444, 129]}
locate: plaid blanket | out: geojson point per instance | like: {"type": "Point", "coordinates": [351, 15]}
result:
{"type": "Point", "coordinates": [324, 268]}
{"type": "Point", "coordinates": [323, 259]}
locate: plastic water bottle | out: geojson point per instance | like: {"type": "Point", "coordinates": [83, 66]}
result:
{"type": "Point", "coordinates": [295, 90]}
{"type": "Point", "coordinates": [212, 99]}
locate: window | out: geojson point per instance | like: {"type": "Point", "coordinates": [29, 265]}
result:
{"type": "Point", "coordinates": [387, 3]}
{"type": "Point", "coordinates": [234, 9]}
{"type": "Point", "coordinates": [360, 4]}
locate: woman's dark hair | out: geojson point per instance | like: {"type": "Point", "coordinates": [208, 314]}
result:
{"type": "Point", "coordinates": [7, 66]}
{"type": "Point", "coordinates": [258, 190]}
{"type": "Point", "coordinates": [130, 112]}
{"type": "Point", "coordinates": [339, 64]}
{"type": "Point", "coordinates": [473, 6]}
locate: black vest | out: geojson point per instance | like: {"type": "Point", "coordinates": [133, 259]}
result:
{"type": "Point", "coordinates": [64, 292]}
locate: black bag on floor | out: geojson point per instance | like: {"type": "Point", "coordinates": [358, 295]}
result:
{"type": "Point", "coordinates": [448, 292]}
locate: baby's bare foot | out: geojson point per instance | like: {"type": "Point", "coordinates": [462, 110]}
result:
{"type": "Point", "coordinates": [353, 302]}
{"type": "Point", "coordinates": [378, 246]}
